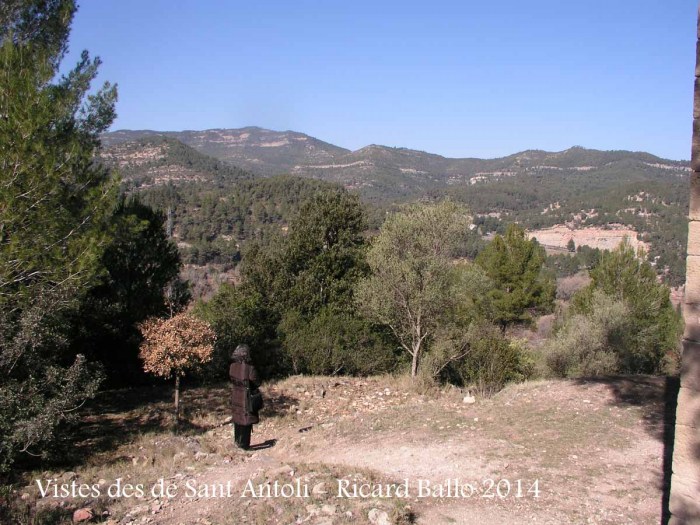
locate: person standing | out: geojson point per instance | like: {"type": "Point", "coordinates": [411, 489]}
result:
{"type": "Point", "coordinates": [243, 377]}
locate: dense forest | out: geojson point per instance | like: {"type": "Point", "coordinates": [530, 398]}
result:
{"type": "Point", "coordinates": [217, 206]}
{"type": "Point", "coordinates": [212, 221]}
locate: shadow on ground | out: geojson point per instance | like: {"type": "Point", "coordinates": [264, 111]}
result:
{"type": "Point", "coordinates": [657, 397]}
{"type": "Point", "coordinates": [265, 444]}
{"type": "Point", "coordinates": [117, 417]}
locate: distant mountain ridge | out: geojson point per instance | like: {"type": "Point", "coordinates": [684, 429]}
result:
{"type": "Point", "coordinates": [380, 170]}
{"type": "Point", "coordinates": [155, 160]}
{"type": "Point", "coordinates": [260, 150]}
{"type": "Point", "coordinates": [227, 186]}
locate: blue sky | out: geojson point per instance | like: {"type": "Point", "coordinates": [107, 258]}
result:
{"type": "Point", "coordinates": [462, 79]}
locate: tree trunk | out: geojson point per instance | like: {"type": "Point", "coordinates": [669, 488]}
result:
{"type": "Point", "coordinates": [414, 362]}
{"type": "Point", "coordinates": [417, 340]}
{"type": "Point", "coordinates": [177, 399]}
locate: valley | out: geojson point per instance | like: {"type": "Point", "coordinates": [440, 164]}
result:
{"type": "Point", "coordinates": [227, 186]}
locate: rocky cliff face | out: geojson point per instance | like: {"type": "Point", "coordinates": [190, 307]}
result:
{"type": "Point", "coordinates": [604, 238]}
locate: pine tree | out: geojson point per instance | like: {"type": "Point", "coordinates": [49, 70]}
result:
{"type": "Point", "coordinates": [54, 201]}
{"type": "Point", "coordinates": [651, 342]}
{"type": "Point", "coordinates": [515, 264]}
{"type": "Point", "coordinates": [140, 263]}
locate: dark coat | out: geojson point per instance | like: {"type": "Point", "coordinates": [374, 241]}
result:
{"type": "Point", "coordinates": [239, 372]}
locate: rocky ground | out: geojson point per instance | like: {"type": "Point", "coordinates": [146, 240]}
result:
{"type": "Point", "coordinates": [547, 452]}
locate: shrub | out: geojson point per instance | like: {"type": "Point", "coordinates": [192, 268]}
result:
{"type": "Point", "coordinates": [481, 358]}
{"type": "Point", "coordinates": [335, 342]}
{"type": "Point", "coordinates": [238, 314]}
{"type": "Point", "coordinates": [494, 361]}
{"type": "Point", "coordinates": [568, 286]}
{"type": "Point", "coordinates": [651, 342]}
{"type": "Point", "coordinates": [589, 344]}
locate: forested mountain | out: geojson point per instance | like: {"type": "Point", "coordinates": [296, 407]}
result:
{"type": "Point", "coordinates": [213, 221]}
{"type": "Point", "coordinates": [155, 160]}
{"type": "Point", "coordinates": [383, 173]}
{"type": "Point", "coordinates": [644, 198]}
{"type": "Point", "coordinates": [218, 204]}
{"type": "Point", "coordinates": [215, 206]}
{"type": "Point", "coordinates": [260, 150]}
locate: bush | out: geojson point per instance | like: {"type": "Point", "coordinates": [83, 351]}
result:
{"type": "Point", "coordinates": [335, 342]}
{"type": "Point", "coordinates": [481, 358]}
{"type": "Point", "coordinates": [238, 314]}
{"type": "Point", "coordinates": [568, 286]}
{"type": "Point", "coordinates": [33, 410]}
{"type": "Point", "coordinates": [650, 344]}
{"type": "Point", "coordinates": [589, 344]}
{"type": "Point", "coordinates": [494, 361]}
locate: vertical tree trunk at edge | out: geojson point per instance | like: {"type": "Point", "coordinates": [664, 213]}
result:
{"type": "Point", "coordinates": [177, 399]}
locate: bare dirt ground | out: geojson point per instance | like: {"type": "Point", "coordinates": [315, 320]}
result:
{"type": "Point", "coordinates": [594, 448]}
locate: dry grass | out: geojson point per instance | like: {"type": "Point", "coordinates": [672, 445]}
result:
{"type": "Point", "coordinates": [568, 286]}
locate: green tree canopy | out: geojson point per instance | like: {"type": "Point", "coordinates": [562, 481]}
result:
{"type": "Point", "coordinates": [239, 314]}
{"type": "Point", "coordinates": [652, 337]}
{"type": "Point", "coordinates": [298, 291]}
{"type": "Point", "coordinates": [515, 264]}
{"type": "Point", "coordinates": [325, 252]}
{"type": "Point", "coordinates": [54, 205]}
{"type": "Point", "coordinates": [139, 264]}
{"type": "Point", "coordinates": [415, 286]}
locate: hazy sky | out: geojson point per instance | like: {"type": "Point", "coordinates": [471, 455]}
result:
{"type": "Point", "coordinates": [462, 78]}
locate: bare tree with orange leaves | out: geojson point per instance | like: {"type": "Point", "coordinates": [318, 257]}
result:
{"type": "Point", "coordinates": [175, 345]}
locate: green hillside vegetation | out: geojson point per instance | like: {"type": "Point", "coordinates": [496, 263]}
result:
{"type": "Point", "coordinates": [212, 221]}
{"type": "Point", "coordinates": [649, 200]}
{"type": "Point", "coordinates": [327, 299]}
{"type": "Point", "coordinates": [536, 189]}
{"type": "Point", "coordinates": [215, 207]}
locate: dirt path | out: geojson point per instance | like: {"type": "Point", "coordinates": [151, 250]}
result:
{"type": "Point", "coordinates": [546, 453]}
{"type": "Point", "coordinates": [594, 448]}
